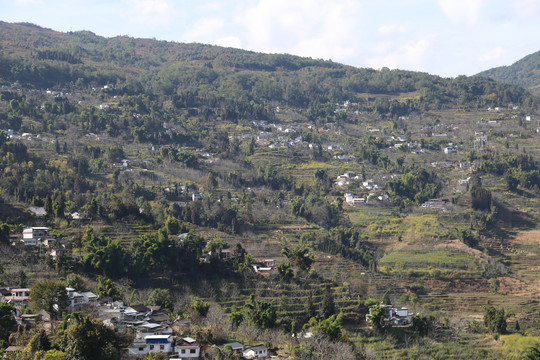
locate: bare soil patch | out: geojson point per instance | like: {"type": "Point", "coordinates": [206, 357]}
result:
{"type": "Point", "coordinates": [531, 237]}
{"type": "Point", "coordinates": [515, 287]}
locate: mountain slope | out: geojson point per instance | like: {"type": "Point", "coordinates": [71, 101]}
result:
{"type": "Point", "coordinates": [525, 73]}
{"type": "Point", "coordinates": [43, 58]}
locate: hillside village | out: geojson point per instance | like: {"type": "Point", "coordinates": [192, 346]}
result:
{"type": "Point", "coordinates": [190, 201]}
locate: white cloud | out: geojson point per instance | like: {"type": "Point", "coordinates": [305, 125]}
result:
{"type": "Point", "coordinates": [494, 57]}
{"type": "Point", "coordinates": [229, 41]}
{"type": "Point", "coordinates": [462, 11]}
{"type": "Point", "coordinates": [411, 55]}
{"type": "Point", "coordinates": [25, 3]}
{"type": "Point", "coordinates": [203, 29]}
{"type": "Point", "coordinates": [304, 27]}
{"type": "Point", "coordinates": [391, 29]}
{"type": "Point", "coordinates": [151, 12]}
{"type": "Point", "coordinates": [526, 9]}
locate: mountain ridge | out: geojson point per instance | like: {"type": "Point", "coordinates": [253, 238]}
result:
{"type": "Point", "coordinates": [524, 72]}
{"type": "Point", "coordinates": [44, 58]}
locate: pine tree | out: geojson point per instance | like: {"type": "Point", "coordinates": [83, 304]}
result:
{"type": "Point", "coordinates": [309, 307]}
{"type": "Point", "coordinates": [328, 305]}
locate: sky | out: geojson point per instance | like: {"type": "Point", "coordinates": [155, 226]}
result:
{"type": "Point", "coordinates": [441, 37]}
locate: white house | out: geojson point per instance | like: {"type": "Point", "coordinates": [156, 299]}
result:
{"type": "Point", "coordinates": [354, 199]}
{"type": "Point", "coordinates": [464, 182]}
{"type": "Point", "coordinates": [147, 329]}
{"type": "Point", "coordinates": [434, 204]}
{"type": "Point", "coordinates": [255, 352]}
{"type": "Point", "coordinates": [349, 197]}
{"type": "Point", "coordinates": [394, 315]}
{"type": "Point", "coordinates": [35, 232]}
{"type": "Point", "coordinates": [370, 185]}
{"type": "Point", "coordinates": [266, 267]}
{"type": "Point", "coordinates": [187, 348]}
{"type": "Point", "coordinates": [449, 150]}
{"type": "Point", "coordinates": [152, 344]}
{"type": "Point", "coordinates": [334, 147]}
{"type": "Point", "coordinates": [35, 235]}
{"type": "Point", "coordinates": [76, 300]}
{"type": "Point", "coordinates": [20, 297]}
{"type": "Point", "coordinates": [89, 297]}
{"type": "Point", "coordinates": [236, 347]}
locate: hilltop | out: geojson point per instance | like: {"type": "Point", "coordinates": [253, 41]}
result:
{"type": "Point", "coordinates": [524, 73]}
{"type": "Point", "coordinates": [45, 58]}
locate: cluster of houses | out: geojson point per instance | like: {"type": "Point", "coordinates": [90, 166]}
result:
{"type": "Point", "coordinates": [374, 190]}
{"type": "Point", "coordinates": [284, 143]}
{"type": "Point", "coordinates": [281, 142]}
{"type": "Point", "coordinates": [153, 339]}
{"type": "Point", "coordinates": [20, 298]}
{"type": "Point", "coordinates": [152, 326]}
{"type": "Point", "coordinates": [346, 178]}
{"type": "Point", "coordinates": [354, 199]}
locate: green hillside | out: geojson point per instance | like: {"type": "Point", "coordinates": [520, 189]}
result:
{"type": "Point", "coordinates": [525, 73]}
{"type": "Point", "coordinates": [170, 172]}
{"type": "Point", "coordinates": [44, 58]}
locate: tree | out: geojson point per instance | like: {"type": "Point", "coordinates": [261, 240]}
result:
{"type": "Point", "coordinates": [386, 298]}
{"type": "Point", "coordinates": [299, 256]}
{"type": "Point", "coordinates": [309, 307]}
{"type": "Point", "coordinates": [7, 321]}
{"type": "Point", "coordinates": [480, 198]}
{"type": "Point", "coordinates": [236, 318]}
{"type": "Point", "coordinates": [495, 319]}
{"type": "Point", "coordinates": [173, 225]}
{"type": "Point", "coordinates": [215, 248]}
{"type": "Point", "coordinates": [53, 355]}
{"type": "Point", "coordinates": [512, 181]}
{"type": "Point", "coordinates": [161, 297]}
{"type": "Point", "coordinates": [4, 233]}
{"type": "Point", "coordinates": [285, 270]}
{"type": "Point", "coordinates": [38, 343]}
{"type": "Point", "coordinates": [377, 317]}
{"type": "Point", "coordinates": [104, 254]}
{"type": "Point", "coordinates": [51, 297]}
{"type": "Point", "coordinates": [261, 313]}
{"type": "Point", "coordinates": [84, 338]}
{"type": "Point", "coordinates": [200, 306]}
{"type": "Point", "coordinates": [531, 353]}
{"type": "Point", "coordinates": [75, 281]}
{"type": "Point", "coordinates": [422, 324]}
{"type": "Point", "coordinates": [107, 287]}
{"type": "Point", "coordinates": [328, 306]}
{"type": "Point", "coordinates": [330, 327]}
{"type": "Point", "coordinates": [211, 181]}
{"type": "Point", "coordinates": [22, 279]}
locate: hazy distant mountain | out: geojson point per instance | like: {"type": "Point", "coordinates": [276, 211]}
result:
{"type": "Point", "coordinates": [525, 73]}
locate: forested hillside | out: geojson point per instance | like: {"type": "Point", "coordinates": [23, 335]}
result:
{"type": "Point", "coordinates": [228, 196]}
{"type": "Point", "coordinates": [524, 73]}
